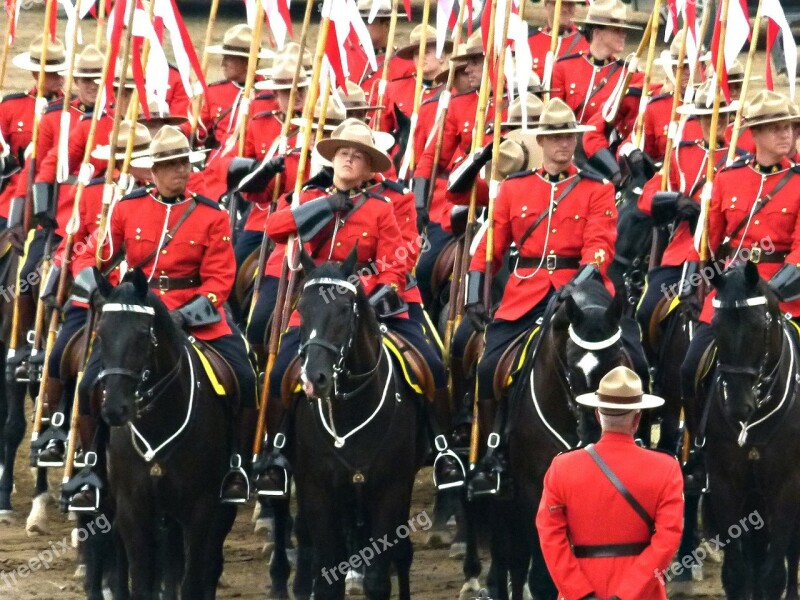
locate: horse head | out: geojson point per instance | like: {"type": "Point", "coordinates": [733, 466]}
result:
{"type": "Point", "coordinates": [333, 310]}
{"type": "Point", "coordinates": [130, 317]}
{"type": "Point", "coordinates": [593, 344]}
{"type": "Point", "coordinates": [748, 329]}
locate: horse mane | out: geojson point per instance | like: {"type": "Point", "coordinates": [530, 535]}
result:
{"type": "Point", "coordinates": [335, 270]}
{"type": "Point", "coordinates": [590, 293]}
{"type": "Point", "coordinates": [126, 293]}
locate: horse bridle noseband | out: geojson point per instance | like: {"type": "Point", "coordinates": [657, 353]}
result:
{"type": "Point", "coordinates": [342, 351]}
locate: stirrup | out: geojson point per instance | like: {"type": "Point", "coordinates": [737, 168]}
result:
{"type": "Point", "coordinates": [235, 468]}
{"type": "Point", "coordinates": [52, 434]}
{"type": "Point", "coordinates": [86, 477]}
{"type": "Point", "coordinates": [277, 461]}
{"type": "Point", "coordinates": [441, 445]}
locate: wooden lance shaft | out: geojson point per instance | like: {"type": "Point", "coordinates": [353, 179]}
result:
{"type": "Point", "coordinates": [673, 115]}
{"type": "Point", "coordinates": [611, 115]}
{"type": "Point", "coordinates": [288, 273]}
{"type": "Point", "coordinates": [199, 99]}
{"type": "Point", "coordinates": [638, 135]}
{"type": "Point", "coordinates": [387, 57]}
{"type": "Point", "coordinates": [550, 58]}
{"type": "Point", "coordinates": [7, 43]}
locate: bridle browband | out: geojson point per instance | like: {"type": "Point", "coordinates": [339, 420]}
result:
{"type": "Point", "coordinates": [593, 346]}
{"type": "Point", "coordinates": [342, 351]}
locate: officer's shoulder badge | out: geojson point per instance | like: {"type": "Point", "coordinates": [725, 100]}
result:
{"type": "Point", "coordinates": [520, 174]}
{"type": "Point", "coordinates": [139, 192]}
{"type": "Point", "coordinates": [591, 175]}
{"type": "Point", "coordinates": [740, 162]}
{"type": "Point", "coordinates": [15, 96]}
{"type": "Point", "coordinates": [206, 200]}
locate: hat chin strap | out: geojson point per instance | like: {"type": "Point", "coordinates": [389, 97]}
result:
{"type": "Point", "coordinates": [593, 346]}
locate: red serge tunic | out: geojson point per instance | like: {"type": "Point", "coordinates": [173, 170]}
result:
{"type": "Point", "coordinates": [583, 225]}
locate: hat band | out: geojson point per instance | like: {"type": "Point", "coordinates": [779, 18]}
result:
{"type": "Point", "coordinates": [136, 147]}
{"type": "Point", "coordinates": [605, 21]}
{"type": "Point", "coordinates": [609, 399]}
{"type": "Point", "coordinates": [778, 115]}
{"type": "Point", "coordinates": [559, 126]}
{"type": "Point", "coordinates": [49, 61]}
{"type": "Point", "coordinates": [232, 48]}
{"type": "Point", "coordinates": [175, 152]}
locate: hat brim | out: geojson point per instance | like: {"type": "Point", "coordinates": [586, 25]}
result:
{"type": "Point", "coordinates": [146, 162]}
{"type": "Point", "coordinates": [777, 119]}
{"type": "Point", "coordinates": [102, 153]}
{"type": "Point", "coordinates": [527, 139]}
{"type": "Point", "coordinates": [468, 55]}
{"type": "Point", "coordinates": [609, 24]}
{"type": "Point", "coordinates": [383, 140]}
{"type": "Point", "coordinates": [352, 107]}
{"type": "Point", "coordinates": [174, 121]}
{"type": "Point", "coordinates": [86, 74]}
{"type": "Point", "coordinates": [380, 160]}
{"type": "Point", "coordinates": [219, 50]}
{"type": "Point", "coordinates": [441, 78]}
{"type": "Point", "coordinates": [130, 84]}
{"type": "Point", "coordinates": [382, 14]}
{"type": "Point", "coordinates": [328, 126]}
{"type": "Point", "coordinates": [573, 129]}
{"type": "Point", "coordinates": [408, 52]}
{"type": "Point", "coordinates": [647, 401]}
{"type": "Point", "coordinates": [740, 78]}
{"type": "Point", "coordinates": [23, 61]}
{"type": "Point", "coordinates": [693, 110]}
{"type": "Point", "coordinates": [274, 86]}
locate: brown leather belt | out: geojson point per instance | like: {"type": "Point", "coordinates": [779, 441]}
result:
{"type": "Point", "coordinates": [165, 284]}
{"type": "Point", "coordinates": [609, 550]}
{"type": "Point", "coordinates": [551, 262]}
{"type": "Point", "coordinates": [757, 255]}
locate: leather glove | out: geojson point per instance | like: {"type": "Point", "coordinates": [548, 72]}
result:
{"type": "Point", "coordinates": [477, 315]}
{"type": "Point", "coordinates": [178, 319]}
{"type": "Point", "coordinates": [16, 237]}
{"type": "Point", "coordinates": [339, 202]}
{"type": "Point", "coordinates": [420, 188]}
{"type": "Point", "coordinates": [641, 166]}
{"type": "Point", "coordinates": [688, 208]}
{"type": "Point", "coordinates": [484, 155]}
{"type": "Point", "coordinates": [323, 179]}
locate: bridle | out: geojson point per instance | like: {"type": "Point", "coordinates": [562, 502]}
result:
{"type": "Point", "coordinates": [341, 352]}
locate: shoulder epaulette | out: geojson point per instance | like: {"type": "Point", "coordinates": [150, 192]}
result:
{"type": "Point", "coordinates": [96, 181]}
{"type": "Point", "coordinates": [381, 197]}
{"type": "Point", "coordinates": [54, 106]}
{"type": "Point", "coordinates": [207, 201]}
{"type": "Point", "coordinates": [740, 162]}
{"type": "Point", "coordinates": [569, 56]}
{"type": "Point", "coordinates": [265, 95]}
{"type": "Point", "coordinates": [536, 31]}
{"type": "Point", "coordinates": [265, 114]}
{"type": "Point", "coordinates": [636, 92]}
{"type": "Point", "coordinates": [394, 186]}
{"type": "Point", "coordinates": [219, 82]}
{"type": "Point", "coordinates": [139, 192]}
{"type": "Point", "coordinates": [661, 96]}
{"type": "Point", "coordinates": [684, 143]}
{"type": "Point", "coordinates": [587, 174]}
{"type": "Point", "coordinates": [15, 96]}
{"type": "Point", "coordinates": [520, 174]}
{"type": "Point", "coordinates": [468, 92]}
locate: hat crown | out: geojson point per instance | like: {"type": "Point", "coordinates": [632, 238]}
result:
{"type": "Point", "coordinates": [474, 42]}
{"type": "Point", "coordinates": [354, 131]}
{"type": "Point", "coordinates": [512, 158]}
{"type": "Point", "coordinates": [533, 104]}
{"type": "Point", "coordinates": [283, 70]}
{"type": "Point", "coordinates": [335, 111]}
{"type": "Point", "coordinates": [365, 6]}
{"type": "Point", "coordinates": [767, 104]}
{"type": "Point", "coordinates": [292, 50]}
{"type": "Point", "coordinates": [169, 140]}
{"type": "Point", "coordinates": [556, 114]}
{"type": "Point", "coordinates": [90, 59]}
{"type": "Point", "coordinates": [352, 94]}
{"type": "Point", "coordinates": [56, 52]}
{"type": "Point", "coordinates": [238, 37]}
{"type": "Point", "coordinates": [141, 136]}
{"type": "Point", "coordinates": [607, 10]}
{"type": "Point", "coordinates": [416, 35]}
{"type": "Point", "coordinates": [621, 382]}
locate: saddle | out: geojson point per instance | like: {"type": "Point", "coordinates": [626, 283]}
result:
{"type": "Point", "coordinates": [512, 360]}
{"type": "Point", "coordinates": [219, 372]}
{"type": "Point", "coordinates": [411, 363]}
{"type": "Point", "coordinates": [663, 309]}
{"type": "Point", "coordinates": [443, 267]}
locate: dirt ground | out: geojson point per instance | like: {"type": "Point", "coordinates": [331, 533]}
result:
{"type": "Point", "coordinates": [434, 575]}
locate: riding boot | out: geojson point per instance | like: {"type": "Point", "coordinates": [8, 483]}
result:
{"type": "Point", "coordinates": [26, 319]}
{"type": "Point", "coordinates": [448, 471]}
{"type": "Point", "coordinates": [487, 477]}
{"type": "Point", "coordinates": [87, 481]}
{"type": "Point", "coordinates": [52, 455]}
{"type": "Point", "coordinates": [236, 484]}
{"type": "Point", "coordinates": [272, 473]}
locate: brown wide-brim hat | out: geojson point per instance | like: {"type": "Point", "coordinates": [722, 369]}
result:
{"type": "Point", "coordinates": [704, 101]}
{"type": "Point", "coordinates": [141, 143]}
{"type": "Point", "coordinates": [129, 83]}
{"type": "Point", "coordinates": [168, 144]}
{"type": "Point", "coordinates": [384, 9]}
{"type": "Point", "coordinates": [335, 113]}
{"type": "Point", "coordinates": [558, 118]}
{"type": "Point", "coordinates": [768, 107]}
{"type": "Point", "coordinates": [608, 13]}
{"type": "Point", "coordinates": [527, 140]}
{"type": "Point", "coordinates": [458, 66]}
{"type": "Point", "coordinates": [89, 63]}
{"type": "Point", "coordinates": [533, 109]}
{"type": "Point", "coordinates": [473, 48]}
{"type": "Point", "coordinates": [281, 76]}
{"type": "Point", "coordinates": [383, 140]}
{"type": "Point", "coordinates": [236, 42]}
{"type": "Point", "coordinates": [356, 135]}
{"type": "Point", "coordinates": [353, 97]}
{"type": "Point", "coordinates": [55, 61]}
{"type": "Point", "coordinates": [159, 115]}
{"type": "Point", "coordinates": [620, 389]}
{"type": "Point", "coordinates": [736, 73]}
{"type": "Point", "coordinates": [414, 39]}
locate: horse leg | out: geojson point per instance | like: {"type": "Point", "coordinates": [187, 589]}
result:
{"type": "Point", "coordinates": [224, 517]}
{"type": "Point", "coordinates": [96, 549]}
{"type": "Point", "coordinates": [13, 432]}
{"type": "Point", "coordinates": [119, 569]}
{"type": "Point", "coordinates": [792, 564]}
{"type": "Point", "coordinates": [443, 509]}
{"type": "Point", "coordinates": [304, 567]}
{"type": "Point", "coordinates": [279, 567]}
{"type": "Point", "coordinates": [140, 538]}
{"type": "Point", "coordinates": [37, 519]}
{"type": "Point", "coordinates": [330, 551]}
{"type": "Point", "coordinates": [403, 557]}
{"type": "Point", "coordinates": [472, 560]}
{"type": "Point", "coordinates": [735, 572]}
{"type": "Point", "coordinates": [195, 543]}
{"type": "Point", "coordinates": [777, 539]}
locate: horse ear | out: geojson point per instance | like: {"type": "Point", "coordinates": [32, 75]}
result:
{"type": "Point", "coordinates": [104, 287]}
{"type": "Point", "coordinates": [574, 313]}
{"type": "Point", "coordinates": [751, 276]}
{"type": "Point", "coordinates": [614, 310]}
{"type": "Point", "coordinates": [349, 264]}
{"type": "Point", "coordinates": [306, 260]}
{"type": "Point", "coordinates": [140, 284]}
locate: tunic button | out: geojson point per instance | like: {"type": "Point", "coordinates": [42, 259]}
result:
{"type": "Point", "coordinates": [364, 233]}
{"type": "Point", "coordinates": [757, 221]}
{"type": "Point", "coordinates": [524, 208]}
{"type": "Point", "coordinates": [577, 217]}
{"type": "Point", "coordinates": [523, 215]}
{"type": "Point", "coordinates": [783, 210]}
{"type": "Point", "coordinates": [164, 251]}
{"type": "Point", "coordinates": [163, 292]}
{"type": "Point", "coordinates": [591, 104]}
{"type": "Point", "coordinates": [191, 242]}
{"type": "Point", "coordinates": [338, 244]}
{"type": "Point", "coordinates": [553, 230]}
{"type": "Point", "coordinates": [138, 237]}
{"type": "Point", "coordinates": [138, 229]}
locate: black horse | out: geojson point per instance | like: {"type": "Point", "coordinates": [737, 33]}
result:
{"type": "Point", "coordinates": [167, 453]}
{"type": "Point", "coordinates": [752, 436]}
{"type": "Point", "coordinates": [580, 345]}
{"type": "Point", "coordinates": [357, 438]}
{"type": "Point", "coordinates": [634, 238]}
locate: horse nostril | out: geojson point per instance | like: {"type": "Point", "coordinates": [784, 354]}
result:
{"type": "Point", "coordinates": [321, 379]}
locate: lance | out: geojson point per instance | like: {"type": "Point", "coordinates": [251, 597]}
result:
{"type": "Point", "coordinates": [288, 271]}
{"type": "Point", "coordinates": [550, 58]}
{"type": "Point", "coordinates": [101, 23]}
{"type": "Point", "coordinates": [283, 149]}
{"type": "Point", "coordinates": [38, 110]}
{"type": "Point", "coordinates": [441, 111]}
{"type": "Point", "coordinates": [46, 265]}
{"type": "Point", "coordinates": [384, 80]}
{"type": "Point", "coordinates": [72, 227]}
{"type": "Point", "coordinates": [748, 72]}
{"type": "Point", "coordinates": [244, 104]}
{"type": "Point", "coordinates": [7, 42]}
{"type": "Point", "coordinates": [197, 103]}
{"type": "Point", "coordinates": [409, 159]}
{"type": "Point", "coordinates": [325, 97]}
{"type": "Point", "coordinates": [638, 135]}
{"type": "Point", "coordinates": [705, 198]}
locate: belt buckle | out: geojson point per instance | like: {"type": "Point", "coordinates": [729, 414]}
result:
{"type": "Point", "coordinates": [755, 255]}
{"type": "Point", "coordinates": [163, 283]}
{"type": "Point", "coordinates": [551, 262]}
